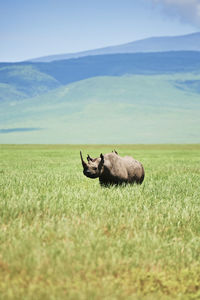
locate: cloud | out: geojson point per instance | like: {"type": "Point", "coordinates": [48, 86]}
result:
{"type": "Point", "coordinates": [187, 10]}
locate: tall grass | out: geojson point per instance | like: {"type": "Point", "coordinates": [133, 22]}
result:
{"type": "Point", "coordinates": [63, 236]}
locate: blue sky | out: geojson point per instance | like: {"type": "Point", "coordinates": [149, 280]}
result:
{"type": "Point", "coordinates": [30, 29]}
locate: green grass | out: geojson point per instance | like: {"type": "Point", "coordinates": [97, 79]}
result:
{"type": "Point", "coordinates": [62, 236]}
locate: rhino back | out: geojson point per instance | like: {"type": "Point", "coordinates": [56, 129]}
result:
{"type": "Point", "coordinates": [114, 165]}
{"type": "Point", "coordinates": [134, 168]}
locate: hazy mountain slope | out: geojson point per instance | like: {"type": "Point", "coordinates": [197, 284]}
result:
{"type": "Point", "coordinates": [128, 109]}
{"type": "Point", "coordinates": [190, 42]}
{"type": "Point", "coordinates": [37, 78]}
{"type": "Point", "coordinates": [23, 81]}
{"type": "Point", "coordinates": [10, 93]}
{"type": "Point", "coordinates": [68, 71]}
{"type": "Point", "coordinates": [190, 85]}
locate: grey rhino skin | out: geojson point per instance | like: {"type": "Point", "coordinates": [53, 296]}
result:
{"type": "Point", "coordinates": [112, 169]}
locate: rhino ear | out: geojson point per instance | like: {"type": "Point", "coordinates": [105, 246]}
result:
{"type": "Point", "coordinates": [102, 158]}
{"type": "Point", "coordinates": [90, 158]}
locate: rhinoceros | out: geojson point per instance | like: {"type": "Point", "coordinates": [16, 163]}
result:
{"type": "Point", "coordinates": [112, 169]}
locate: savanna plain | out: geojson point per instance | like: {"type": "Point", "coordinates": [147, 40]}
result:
{"type": "Point", "coordinates": [63, 236]}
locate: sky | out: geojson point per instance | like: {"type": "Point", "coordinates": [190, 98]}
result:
{"type": "Point", "coordinates": [35, 28]}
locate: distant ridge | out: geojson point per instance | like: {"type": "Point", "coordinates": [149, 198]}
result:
{"type": "Point", "coordinates": [189, 42]}
{"type": "Point", "coordinates": [33, 78]}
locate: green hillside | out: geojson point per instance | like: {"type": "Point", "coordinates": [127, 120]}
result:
{"type": "Point", "coordinates": [128, 109]}
{"type": "Point", "coordinates": [10, 93]}
{"type": "Point", "coordinates": [22, 81]}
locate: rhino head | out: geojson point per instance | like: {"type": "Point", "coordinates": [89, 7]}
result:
{"type": "Point", "coordinates": [94, 166]}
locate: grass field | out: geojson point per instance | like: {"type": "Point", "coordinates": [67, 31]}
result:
{"type": "Point", "coordinates": [63, 236]}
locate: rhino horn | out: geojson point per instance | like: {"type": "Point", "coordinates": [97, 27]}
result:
{"type": "Point", "coordinates": [83, 162]}
{"type": "Point", "coordinates": [89, 158]}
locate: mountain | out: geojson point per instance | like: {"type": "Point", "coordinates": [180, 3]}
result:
{"type": "Point", "coordinates": [33, 79]}
{"type": "Point", "coordinates": [189, 42]}
{"type": "Point", "coordinates": [116, 98]}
